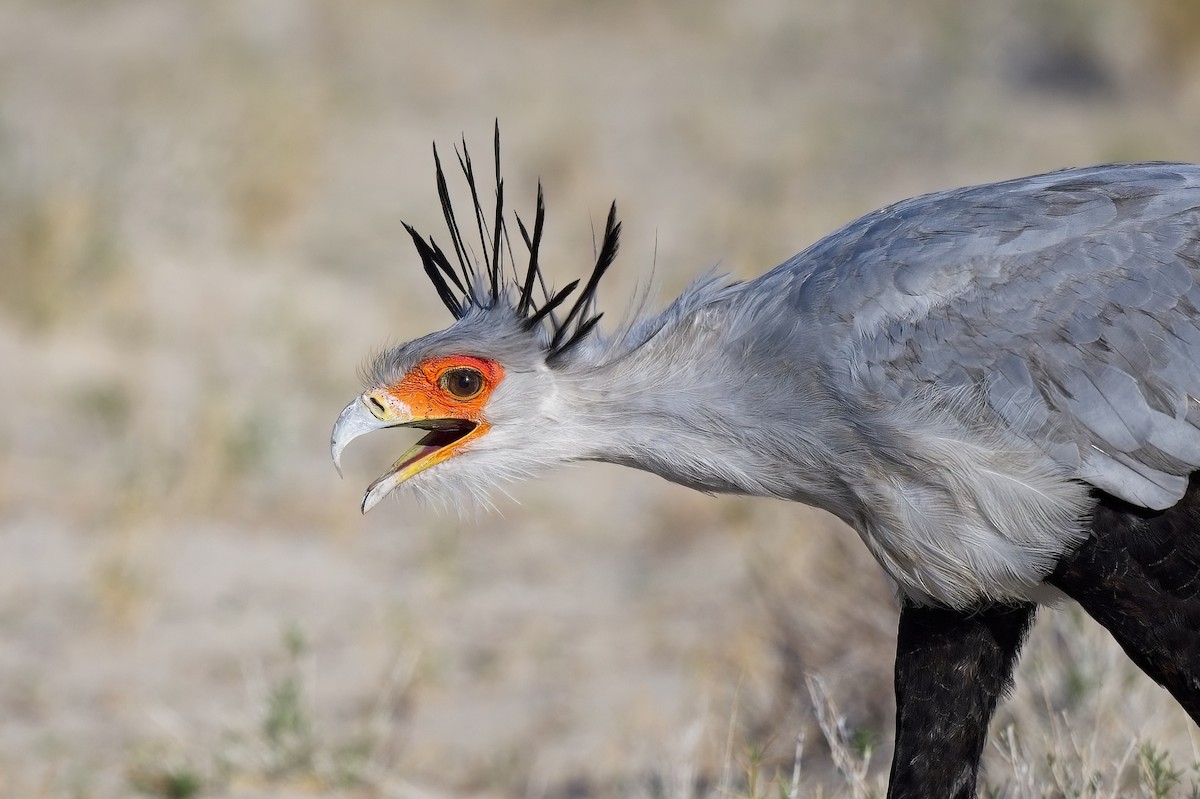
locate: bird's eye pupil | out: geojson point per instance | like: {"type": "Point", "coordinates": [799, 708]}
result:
{"type": "Point", "coordinates": [462, 383]}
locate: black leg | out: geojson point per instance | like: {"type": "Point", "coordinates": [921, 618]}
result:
{"type": "Point", "coordinates": [1139, 576]}
{"type": "Point", "coordinates": [952, 668]}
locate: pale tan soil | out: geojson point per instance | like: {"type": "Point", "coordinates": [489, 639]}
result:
{"type": "Point", "coordinates": [200, 242]}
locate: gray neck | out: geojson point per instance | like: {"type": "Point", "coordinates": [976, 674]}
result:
{"type": "Point", "coordinates": [687, 405]}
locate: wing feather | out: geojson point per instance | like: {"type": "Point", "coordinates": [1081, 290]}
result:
{"type": "Point", "coordinates": [1067, 301]}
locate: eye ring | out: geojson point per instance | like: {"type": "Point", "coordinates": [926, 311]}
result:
{"type": "Point", "coordinates": [462, 382]}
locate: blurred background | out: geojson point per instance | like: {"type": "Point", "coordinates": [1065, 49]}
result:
{"type": "Point", "coordinates": [200, 244]}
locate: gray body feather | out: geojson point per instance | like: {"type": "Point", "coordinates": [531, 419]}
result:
{"type": "Point", "coordinates": [1069, 300]}
{"type": "Point", "coordinates": [951, 375]}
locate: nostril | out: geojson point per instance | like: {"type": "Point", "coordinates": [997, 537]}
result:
{"type": "Point", "coordinates": [376, 406]}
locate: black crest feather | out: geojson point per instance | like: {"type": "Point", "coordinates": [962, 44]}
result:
{"type": "Point", "coordinates": [465, 284]}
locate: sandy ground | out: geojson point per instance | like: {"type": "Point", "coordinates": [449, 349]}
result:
{"type": "Point", "coordinates": [200, 244]}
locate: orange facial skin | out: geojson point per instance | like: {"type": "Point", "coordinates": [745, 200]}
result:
{"type": "Point", "coordinates": [420, 397]}
{"type": "Point", "coordinates": [422, 392]}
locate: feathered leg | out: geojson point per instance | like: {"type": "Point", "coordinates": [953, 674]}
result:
{"type": "Point", "coordinates": [952, 669]}
{"type": "Point", "coordinates": [1139, 576]}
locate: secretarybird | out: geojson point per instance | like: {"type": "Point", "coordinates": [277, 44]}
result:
{"type": "Point", "coordinates": [997, 387]}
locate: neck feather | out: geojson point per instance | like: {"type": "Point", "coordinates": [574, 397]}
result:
{"type": "Point", "coordinates": [692, 406]}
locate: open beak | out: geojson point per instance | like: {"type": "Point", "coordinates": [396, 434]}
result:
{"type": "Point", "coordinates": [373, 411]}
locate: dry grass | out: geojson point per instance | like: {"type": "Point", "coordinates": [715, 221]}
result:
{"type": "Point", "coordinates": [199, 244]}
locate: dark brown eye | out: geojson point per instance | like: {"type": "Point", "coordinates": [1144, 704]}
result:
{"type": "Point", "coordinates": [462, 383]}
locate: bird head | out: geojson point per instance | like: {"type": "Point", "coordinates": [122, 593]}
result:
{"type": "Point", "coordinates": [486, 389]}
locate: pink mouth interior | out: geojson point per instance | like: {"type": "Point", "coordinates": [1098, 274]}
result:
{"type": "Point", "coordinates": [443, 436]}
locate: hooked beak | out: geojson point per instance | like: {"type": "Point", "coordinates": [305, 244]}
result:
{"type": "Point", "coordinates": [355, 420]}
{"type": "Point", "coordinates": [376, 411]}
